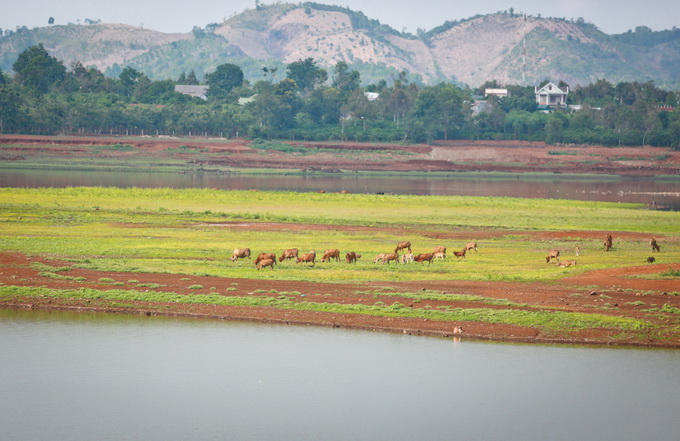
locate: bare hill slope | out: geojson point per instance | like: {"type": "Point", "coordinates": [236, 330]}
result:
{"type": "Point", "coordinates": [503, 46]}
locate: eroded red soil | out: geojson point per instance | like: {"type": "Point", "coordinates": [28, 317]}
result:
{"type": "Point", "coordinates": [587, 293]}
{"type": "Point", "coordinates": [501, 156]}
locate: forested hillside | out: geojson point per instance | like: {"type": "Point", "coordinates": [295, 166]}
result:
{"type": "Point", "coordinates": [507, 47]}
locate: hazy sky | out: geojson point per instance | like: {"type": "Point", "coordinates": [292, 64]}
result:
{"type": "Point", "coordinates": [610, 16]}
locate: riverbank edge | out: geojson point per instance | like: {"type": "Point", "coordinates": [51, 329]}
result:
{"type": "Point", "coordinates": [397, 326]}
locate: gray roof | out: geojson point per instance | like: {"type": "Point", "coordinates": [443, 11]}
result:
{"type": "Point", "coordinates": [193, 90]}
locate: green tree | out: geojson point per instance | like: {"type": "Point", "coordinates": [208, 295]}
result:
{"type": "Point", "coordinates": [440, 108]}
{"type": "Point", "coordinates": [306, 74]}
{"type": "Point", "coordinates": [345, 80]}
{"type": "Point", "coordinates": [553, 129]}
{"type": "Point", "coordinates": [11, 112]}
{"type": "Point", "coordinates": [128, 80]}
{"type": "Point", "coordinates": [37, 70]}
{"type": "Point", "coordinates": [225, 78]}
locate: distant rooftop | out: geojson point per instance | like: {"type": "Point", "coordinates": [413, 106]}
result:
{"type": "Point", "coordinates": [193, 90]}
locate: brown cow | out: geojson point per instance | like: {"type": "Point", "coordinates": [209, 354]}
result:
{"type": "Point", "coordinates": [290, 253]}
{"type": "Point", "coordinates": [308, 257]}
{"type": "Point", "coordinates": [352, 257]}
{"type": "Point", "coordinates": [471, 246]}
{"type": "Point", "coordinates": [608, 242]}
{"type": "Point", "coordinates": [440, 252]}
{"type": "Point", "coordinates": [460, 254]}
{"type": "Point", "coordinates": [266, 263]}
{"type": "Point", "coordinates": [654, 245]}
{"type": "Point", "coordinates": [552, 254]}
{"type": "Point", "coordinates": [240, 253]}
{"type": "Point", "coordinates": [424, 258]}
{"type": "Point", "coordinates": [565, 263]}
{"type": "Point", "coordinates": [265, 256]}
{"type": "Point", "coordinates": [331, 254]}
{"type": "Point", "coordinates": [403, 246]}
{"type": "Point", "coordinates": [406, 258]}
{"type": "Point", "coordinates": [386, 257]}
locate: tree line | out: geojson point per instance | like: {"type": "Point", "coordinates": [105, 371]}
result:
{"type": "Point", "coordinates": [308, 102]}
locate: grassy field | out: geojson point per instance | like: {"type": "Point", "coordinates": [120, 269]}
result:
{"type": "Point", "coordinates": [93, 245]}
{"type": "Point", "coordinates": [194, 232]}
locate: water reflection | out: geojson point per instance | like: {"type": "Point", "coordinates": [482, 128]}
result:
{"type": "Point", "coordinates": [611, 189]}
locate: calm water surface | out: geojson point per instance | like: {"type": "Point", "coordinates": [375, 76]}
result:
{"type": "Point", "coordinates": [611, 189]}
{"type": "Point", "coordinates": [107, 377]}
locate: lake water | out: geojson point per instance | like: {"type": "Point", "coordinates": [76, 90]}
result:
{"type": "Point", "coordinates": [664, 192]}
{"type": "Point", "coordinates": [81, 376]}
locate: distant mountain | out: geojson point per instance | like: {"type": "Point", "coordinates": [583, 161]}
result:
{"type": "Point", "coordinates": [503, 46]}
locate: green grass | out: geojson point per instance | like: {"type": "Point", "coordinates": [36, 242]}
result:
{"type": "Point", "coordinates": [551, 321]}
{"type": "Point", "coordinates": [194, 232]}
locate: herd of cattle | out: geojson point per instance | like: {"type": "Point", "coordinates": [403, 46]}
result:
{"type": "Point", "coordinates": [264, 260]}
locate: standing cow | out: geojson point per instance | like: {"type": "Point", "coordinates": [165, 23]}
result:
{"type": "Point", "coordinates": [403, 246]}
{"type": "Point", "coordinates": [307, 257]}
{"type": "Point", "coordinates": [266, 263]}
{"type": "Point", "coordinates": [552, 254]}
{"type": "Point", "coordinates": [265, 256]}
{"type": "Point", "coordinates": [352, 257]}
{"type": "Point", "coordinates": [331, 254]}
{"type": "Point", "coordinates": [240, 253]}
{"type": "Point", "coordinates": [291, 253]}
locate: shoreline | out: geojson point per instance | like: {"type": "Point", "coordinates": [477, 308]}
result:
{"type": "Point", "coordinates": [547, 296]}
{"type": "Point", "coordinates": [394, 327]}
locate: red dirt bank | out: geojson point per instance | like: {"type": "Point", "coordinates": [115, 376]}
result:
{"type": "Point", "coordinates": [449, 156]}
{"type": "Point", "coordinates": [15, 270]}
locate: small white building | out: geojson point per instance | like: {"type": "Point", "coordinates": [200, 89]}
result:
{"type": "Point", "coordinates": [371, 96]}
{"type": "Point", "coordinates": [193, 90]}
{"type": "Point", "coordinates": [551, 96]}
{"type": "Point", "coordinates": [502, 93]}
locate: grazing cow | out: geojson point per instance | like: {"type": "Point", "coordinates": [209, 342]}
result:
{"type": "Point", "coordinates": [471, 246]}
{"type": "Point", "coordinates": [654, 245]}
{"type": "Point", "coordinates": [565, 263]}
{"type": "Point", "coordinates": [427, 257]}
{"type": "Point", "coordinates": [460, 254]}
{"type": "Point", "coordinates": [407, 257]}
{"type": "Point", "coordinates": [352, 257]}
{"type": "Point", "coordinates": [403, 246]}
{"type": "Point", "coordinates": [290, 253]}
{"type": "Point", "coordinates": [265, 256]}
{"type": "Point", "coordinates": [608, 242]}
{"type": "Point", "coordinates": [651, 260]}
{"type": "Point", "coordinates": [266, 263]}
{"type": "Point", "coordinates": [386, 258]}
{"type": "Point", "coordinates": [240, 253]}
{"type": "Point", "coordinates": [552, 254]}
{"type": "Point", "coordinates": [331, 254]}
{"type": "Point", "coordinates": [440, 252]}
{"type": "Point", "coordinates": [308, 257]}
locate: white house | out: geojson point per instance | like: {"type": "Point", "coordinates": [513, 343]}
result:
{"type": "Point", "coordinates": [551, 96]}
